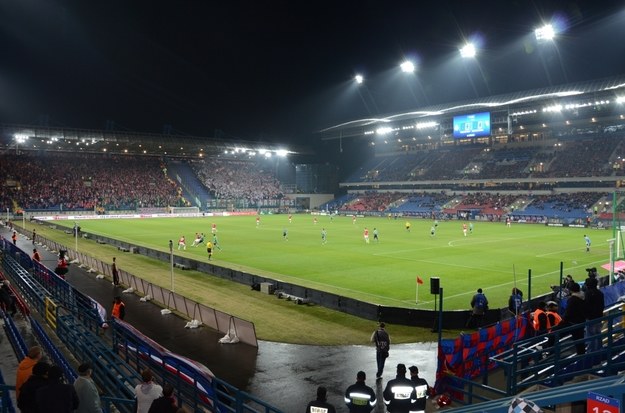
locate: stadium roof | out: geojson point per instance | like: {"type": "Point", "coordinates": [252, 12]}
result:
{"type": "Point", "coordinates": [596, 88]}
{"type": "Point", "coordinates": [29, 137]}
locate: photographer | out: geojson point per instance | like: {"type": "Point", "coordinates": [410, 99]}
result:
{"type": "Point", "coordinates": [592, 275]}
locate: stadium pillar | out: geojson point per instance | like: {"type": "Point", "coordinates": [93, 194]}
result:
{"type": "Point", "coordinates": [171, 263]}
{"type": "Point", "coordinates": [440, 316]}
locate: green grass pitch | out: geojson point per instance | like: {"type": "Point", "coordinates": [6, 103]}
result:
{"type": "Point", "coordinates": [381, 272]}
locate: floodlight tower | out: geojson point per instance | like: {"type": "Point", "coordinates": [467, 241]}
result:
{"type": "Point", "coordinates": [359, 80]}
{"type": "Point", "coordinates": [546, 35]}
{"type": "Point", "coordinates": [469, 51]}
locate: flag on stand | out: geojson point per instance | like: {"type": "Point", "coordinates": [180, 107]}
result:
{"type": "Point", "coordinates": [419, 281]}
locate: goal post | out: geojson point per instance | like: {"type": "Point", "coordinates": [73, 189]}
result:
{"type": "Point", "coordinates": [183, 210]}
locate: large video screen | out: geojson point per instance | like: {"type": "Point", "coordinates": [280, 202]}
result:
{"type": "Point", "coordinates": [472, 126]}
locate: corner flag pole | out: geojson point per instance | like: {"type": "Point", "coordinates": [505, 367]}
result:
{"type": "Point", "coordinates": [417, 295]}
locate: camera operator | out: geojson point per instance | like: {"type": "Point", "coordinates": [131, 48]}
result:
{"type": "Point", "coordinates": [592, 275]}
{"type": "Point", "coordinates": [61, 266]}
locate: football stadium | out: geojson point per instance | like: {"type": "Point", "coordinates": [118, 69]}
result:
{"type": "Point", "coordinates": [489, 227]}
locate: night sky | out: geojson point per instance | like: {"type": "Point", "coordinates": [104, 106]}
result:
{"type": "Point", "coordinates": [280, 70]}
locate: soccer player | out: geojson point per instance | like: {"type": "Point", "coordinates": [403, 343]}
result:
{"type": "Point", "coordinates": [216, 242]}
{"type": "Point", "coordinates": [290, 218]}
{"type": "Point", "coordinates": [375, 235]}
{"type": "Point", "coordinates": [353, 219]}
{"type": "Point", "coordinates": [324, 236]}
{"type": "Point", "coordinates": [408, 226]}
{"type": "Point", "coordinates": [366, 235]}
{"type": "Point", "coordinates": [285, 234]}
{"type": "Point", "coordinates": [182, 243]}
{"type": "Point", "coordinates": [508, 222]}
{"type": "Point", "coordinates": [257, 222]}
{"type": "Point", "coordinates": [432, 231]}
{"type": "Point", "coordinates": [209, 250]}
{"type": "Point", "coordinates": [471, 228]}
{"type": "Point", "coordinates": [315, 220]}
{"type": "Point", "coordinates": [214, 228]}
{"type": "Point", "coordinates": [587, 240]}
{"type": "Point", "coordinates": [199, 238]}
{"type": "Point", "coordinates": [464, 229]}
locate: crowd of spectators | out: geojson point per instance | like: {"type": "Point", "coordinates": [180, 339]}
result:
{"type": "Point", "coordinates": [566, 202]}
{"type": "Point", "coordinates": [371, 201]}
{"type": "Point", "coordinates": [238, 179]}
{"type": "Point", "coordinates": [574, 157]}
{"type": "Point", "coordinates": [580, 158]}
{"type": "Point", "coordinates": [486, 200]}
{"type": "Point", "coordinates": [84, 181]}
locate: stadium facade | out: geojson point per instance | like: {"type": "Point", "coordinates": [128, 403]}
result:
{"type": "Point", "coordinates": [542, 120]}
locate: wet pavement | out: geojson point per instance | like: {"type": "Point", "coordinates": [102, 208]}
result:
{"type": "Point", "coordinates": [283, 375]}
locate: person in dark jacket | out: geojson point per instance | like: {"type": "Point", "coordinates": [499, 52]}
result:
{"type": "Point", "coordinates": [515, 302]}
{"type": "Point", "coordinates": [594, 305]}
{"type": "Point", "coordinates": [56, 396]}
{"type": "Point", "coordinates": [399, 394]}
{"type": "Point", "coordinates": [575, 314]}
{"type": "Point", "coordinates": [320, 404]}
{"type": "Point", "coordinates": [26, 400]}
{"type": "Point", "coordinates": [166, 403]}
{"type": "Point", "coordinates": [7, 298]}
{"type": "Point", "coordinates": [421, 390]}
{"type": "Point", "coordinates": [359, 397]}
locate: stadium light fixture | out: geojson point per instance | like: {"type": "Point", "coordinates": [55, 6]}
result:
{"type": "Point", "coordinates": [407, 67]}
{"type": "Point", "coordinates": [545, 33]}
{"type": "Point", "coordinates": [359, 79]}
{"type": "Point", "coordinates": [20, 138]}
{"type": "Point", "coordinates": [282, 153]}
{"type": "Point", "coordinates": [620, 99]}
{"type": "Point", "coordinates": [468, 51]}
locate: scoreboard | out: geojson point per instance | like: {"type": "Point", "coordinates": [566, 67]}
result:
{"type": "Point", "coordinates": [472, 126]}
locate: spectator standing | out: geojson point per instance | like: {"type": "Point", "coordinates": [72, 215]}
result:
{"type": "Point", "coordinates": [359, 397]}
{"type": "Point", "coordinates": [119, 308]}
{"type": "Point", "coordinates": [7, 298]}
{"type": "Point", "coordinates": [479, 305]}
{"type": "Point", "coordinates": [34, 236]}
{"type": "Point", "coordinates": [25, 368]}
{"type": "Point", "coordinates": [399, 392]}
{"type": "Point", "coordinates": [62, 264]}
{"type": "Point", "coordinates": [36, 256]}
{"type": "Point", "coordinates": [552, 314]}
{"type": "Point", "coordinates": [88, 395]}
{"type": "Point", "coordinates": [382, 342]}
{"type": "Point", "coordinates": [26, 400]}
{"type": "Point", "coordinates": [147, 392]}
{"type": "Point", "coordinates": [594, 305]}
{"type": "Point", "coordinates": [320, 404]}
{"type": "Point", "coordinates": [515, 302]}
{"type": "Point", "coordinates": [421, 390]}
{"type": "Point", "coordinates": [56, 396]}
{"type": "Point", "coordinates": [115, 272]}
{"type": "Point", "coordinates": [166, 403]}
{"type": "Point", "coordinates": [575, 314]}
{"type": "Point", "coordinates": [14, 237]}
{"type": "Point", "coordinates": [540, 319]}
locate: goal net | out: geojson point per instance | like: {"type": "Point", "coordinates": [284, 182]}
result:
{"type": "Point", "coordinates": [184, 210]}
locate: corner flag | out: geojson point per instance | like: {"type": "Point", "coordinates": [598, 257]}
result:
{"type": "Point", "coordinates": [419, 280]}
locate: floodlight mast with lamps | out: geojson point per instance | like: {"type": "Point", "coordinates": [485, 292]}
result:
{"type": "Point", "coordinates": [545, 33]}
{"type": "Point", "coordinates": [407, 67]}
{"type": "Point", "coordinates": [468, 51]}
